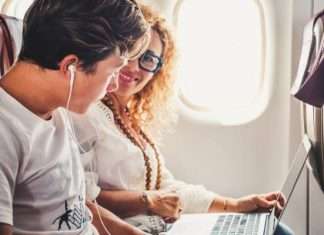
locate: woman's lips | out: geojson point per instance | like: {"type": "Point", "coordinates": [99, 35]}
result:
{"type": "Point", "coordinates": [125, 78]}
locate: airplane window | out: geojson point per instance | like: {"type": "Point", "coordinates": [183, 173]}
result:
{"type": "Point", "coordinates": [221, 47]}
{"type": "Point", "coordinates": [16, 8]}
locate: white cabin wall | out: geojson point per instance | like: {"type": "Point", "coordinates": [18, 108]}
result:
{"type": "Point", "coordinates": [296, 211]}
{"type": "Point", "coordinates": [318, 5]}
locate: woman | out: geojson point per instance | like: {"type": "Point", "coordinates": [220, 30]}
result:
{"type": "Point", "coordinates": [131, 173]}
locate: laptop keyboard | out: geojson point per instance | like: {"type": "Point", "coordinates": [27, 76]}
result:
{"type": "Point", "coordinates": [240, 224]}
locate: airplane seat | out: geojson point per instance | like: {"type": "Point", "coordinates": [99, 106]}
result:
{"type": "Point", "coordinates": [10, 41]}
{"type": "Point", "coordinates": [309, 88]}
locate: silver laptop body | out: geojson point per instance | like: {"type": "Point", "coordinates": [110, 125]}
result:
{"type": "Point", "coordinates": [243, 223]}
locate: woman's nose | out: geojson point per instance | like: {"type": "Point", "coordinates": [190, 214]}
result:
{"type": "Point", "coordinates": [133, 65]}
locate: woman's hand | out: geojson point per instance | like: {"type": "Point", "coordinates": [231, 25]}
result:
{"type": "Point", "coordinates": [166, 205]}
{"type": "Point", "coordinates": [259, 202]}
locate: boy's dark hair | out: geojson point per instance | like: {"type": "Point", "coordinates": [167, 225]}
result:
{"type": "Point", "coordinates": [90, 29]}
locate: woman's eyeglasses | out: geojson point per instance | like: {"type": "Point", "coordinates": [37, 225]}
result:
{"type": "Point", "coordinates": [150, 62]}
{"type": "Point", "coordinates": [138, 48]}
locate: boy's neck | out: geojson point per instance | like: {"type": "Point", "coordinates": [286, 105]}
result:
{"type": "Point", "coordinates": [33, 88]}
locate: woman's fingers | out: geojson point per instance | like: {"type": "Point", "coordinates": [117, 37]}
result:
{"type": "Point", "coordinates": [168, 205]}
{"type": "Point", "coordinates": [271, 200]}
{"type": "Point", "coordinates": [175, 216]}
{"type": "Point", "coordinates": [172, 199]}
{"type": "Point", "coordinates": [262, 202]}
{"type": "Point", "coordinates": [282, 199]}
{"type": "Point", "coordinates": [271, 196]}
{"type": "Point", "coordinates": [170, 196]}
{"type": "Point", "coordinates": [169, 220]}
{"type": "Point", "coordinates": [279, 196]}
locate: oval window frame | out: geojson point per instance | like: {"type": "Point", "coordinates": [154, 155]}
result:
{"type": "Point", "coordinates": [259, 105]}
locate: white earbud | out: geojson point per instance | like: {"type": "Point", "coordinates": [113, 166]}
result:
{"type": "Point", "coordinates": [72, 70]}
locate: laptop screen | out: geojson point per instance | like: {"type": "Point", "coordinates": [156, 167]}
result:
{"type": "Point", "coordinates": [295, 171]}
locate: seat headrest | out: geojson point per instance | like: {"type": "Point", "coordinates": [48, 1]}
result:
{"type": "Point", "coordinates": [6, 47]}
{"type": "Point", "coordinates": [10, 41]}
{"type": "Point", "coordinates": [309, 84]}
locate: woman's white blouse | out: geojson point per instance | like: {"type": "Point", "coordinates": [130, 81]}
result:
{"type": "Point", "coordinates": [115, 163]}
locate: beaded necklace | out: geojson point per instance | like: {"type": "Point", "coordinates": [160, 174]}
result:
{"type": "Point", "coordinates": [126, 131]}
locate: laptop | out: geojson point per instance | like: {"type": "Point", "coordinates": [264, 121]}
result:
{"type": "Point", "coordinates": [244, 223]}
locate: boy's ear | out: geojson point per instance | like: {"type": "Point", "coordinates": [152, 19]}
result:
{"type": "Point", "coordinates": [66, 62]}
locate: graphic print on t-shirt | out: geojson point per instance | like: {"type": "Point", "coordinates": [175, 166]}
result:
{"type": "Point", "coordinates": [72, 218]}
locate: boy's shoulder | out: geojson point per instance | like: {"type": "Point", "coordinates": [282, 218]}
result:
{"type": "Point", "coordinates": [13, 135]}
{"type": "Point", "coordinates": [12, 114]}
{"type": "Point", "coordinates": [9, 122]}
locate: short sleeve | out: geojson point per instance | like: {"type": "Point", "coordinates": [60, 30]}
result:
{"type": "Point", "coordinates": [9, 165]}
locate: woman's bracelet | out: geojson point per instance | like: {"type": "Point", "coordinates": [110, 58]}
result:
{"type": "Point", "coordinates": [145, 200]}
{"type": "Point", "coordinates": [225, 204]}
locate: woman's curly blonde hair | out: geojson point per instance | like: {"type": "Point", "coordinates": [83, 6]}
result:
{"type": "Point", "coordinates": [152, 108]}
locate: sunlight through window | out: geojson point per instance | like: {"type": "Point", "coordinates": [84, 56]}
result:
{"type": "Point", "coordinates": [221, 53]}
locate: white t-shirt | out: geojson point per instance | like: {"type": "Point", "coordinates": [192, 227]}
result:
{"type": "Point", "coordinates": [42, 186]}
